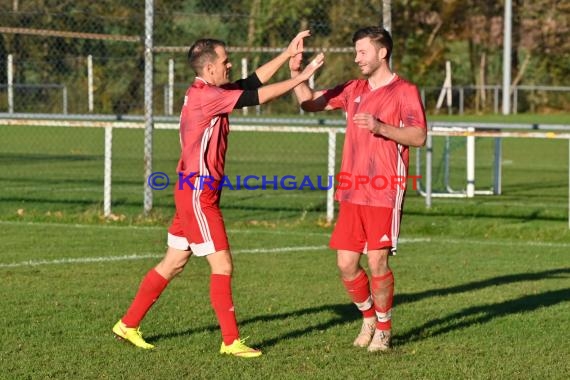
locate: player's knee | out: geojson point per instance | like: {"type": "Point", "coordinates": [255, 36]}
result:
{"type": "Point", "coordinates": [378, 268]}
{"type": "Point", "coordinates": [222, 267]}
{"type": "Point", "coordinates": [171, 268]}
{"type": "Point", "coordinates": [176, 270]}
{"type": "Point", "coordinates": [347, 268]}
{"type": "Point", "coordinates": [221, 262]}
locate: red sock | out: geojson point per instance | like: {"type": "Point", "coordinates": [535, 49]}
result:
{"type": "Point", "coordinates": [383, 290]}
{"type": "Point", "coordinates": [221, 299]}
{"type": "Point", "coordinates": [359, 291]}
{"type": "Point", "coordinates": [150, 289]}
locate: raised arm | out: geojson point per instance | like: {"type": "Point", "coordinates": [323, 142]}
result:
{"type": "Point", "coordinates": [309, 100]}
{"type": "Point", "coordinates": [269, 92]}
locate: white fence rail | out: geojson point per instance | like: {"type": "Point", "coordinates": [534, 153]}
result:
{"type": "Point", "coordinates": [109, 125]}
{"type": "Point", "coordinates": [497, 131]}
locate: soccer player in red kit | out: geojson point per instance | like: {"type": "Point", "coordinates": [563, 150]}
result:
{"type": "Point", "coordinates": [198, 226]}
{"type": "Point", "coordinates": [385, 116]}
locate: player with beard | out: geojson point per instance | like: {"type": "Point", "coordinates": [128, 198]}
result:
{"type": "Point", "coordinates": [385, 116]}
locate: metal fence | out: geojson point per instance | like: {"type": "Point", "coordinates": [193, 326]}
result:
{"type": "Point", "coordinates": [89, 57]}
{"type": "Point", "coordinates": [478, 99]}
{"type": "Point", "coordinates": [96, 51]}
{"type": "Point", "coordinates": [127, 58]}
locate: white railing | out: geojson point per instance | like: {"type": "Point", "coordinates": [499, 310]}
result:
{"type": "Point", "coordinates": [497, 131]}
{"type": "Point", "coordinates": [109, 125]}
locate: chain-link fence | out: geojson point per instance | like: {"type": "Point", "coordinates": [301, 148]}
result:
{"type": "Point", "coordinates": [85, 57]}
{"type": "Point", "coordinates": [88, 58]}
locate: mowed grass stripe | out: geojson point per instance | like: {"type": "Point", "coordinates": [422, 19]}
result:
{"type": "Point", "coordinates": [402, 240]}
{"type": "Point", "coordinates": [100, 259]}
{"type": "Point", "coordinates": [96, 226]}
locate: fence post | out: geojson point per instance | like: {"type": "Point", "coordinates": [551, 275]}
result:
{"type": "Point", "coordinates": [387, 19]}
{"type": "Point", "coordinates": [90, 83]}
{"type": "Point", "coordinates": [470, 164]}
{"type": "Point", "coordinates": [64, 90]}
{"type": "Point", "coordinates": [507, 42]}
{"type": "Point", "coordinates": [243, 76]}
{"type": "Point", "coordinates": [107, 171]}
{"type": "Point", "coordinates": [148, 114]}
{"type": "Point", "coordinates": [10, 88]}
{"type": "Point", "coordinates": [170, 86]}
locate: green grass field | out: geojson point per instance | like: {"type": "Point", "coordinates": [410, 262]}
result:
{"type": "Point", "coordinates": [482, 285]}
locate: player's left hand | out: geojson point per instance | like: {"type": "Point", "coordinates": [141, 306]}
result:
{"type": "Point", "coordinates": [367, 121]}
{"type": "Point", "coordinates": [296, 45]}
{"type": "Point", "coordinates": [312, 67]}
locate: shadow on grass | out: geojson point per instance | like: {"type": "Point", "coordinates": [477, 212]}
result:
{"type": "Point", "coordinates": [344, 313]}
{"type": "Point", "coordinates": [476, 285]}
{"type": "Point", "coordinates": [482, 314]}
{"type": "Point", "coordinates": [31, 158]}
{"type": "Point", "coordinates": [526, 215]}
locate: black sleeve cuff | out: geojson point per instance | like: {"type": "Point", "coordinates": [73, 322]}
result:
{"type": "Point", "coordinates": [252, 82]}
{"type": "Point", "coordinates": [248, 98]}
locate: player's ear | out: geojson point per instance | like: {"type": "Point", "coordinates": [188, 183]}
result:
{"type": "Point", "coordinates": [209, 68]}
{"type": "Point", "coordinates": [382, 53]}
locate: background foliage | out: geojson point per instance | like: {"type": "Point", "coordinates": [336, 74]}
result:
{"type": "Point", "coordinates": [426, 34]}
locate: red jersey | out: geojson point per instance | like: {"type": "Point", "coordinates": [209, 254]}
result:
{"type": "Point", "coordinates": [204, 128]}
{"type": "Point", "coordinates": [384, 162]}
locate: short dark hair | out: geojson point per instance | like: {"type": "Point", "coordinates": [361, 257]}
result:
{"type": "Point", "coordinates": [378, 36]}
{"type": "Point", "coordinates": [203, 51]}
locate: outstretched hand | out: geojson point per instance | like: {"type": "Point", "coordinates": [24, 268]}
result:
{"type": "Point", "coordinates": [313, 66]}
{"type": "Point", "coordinates": [296, 45]}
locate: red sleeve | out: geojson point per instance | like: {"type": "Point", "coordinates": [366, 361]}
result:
{"type": "Point", "coordinates": [216, 100]}
{"type": "Point", "coordinates": [337, 97]}
{"type": "Point", "coordinates": [412, 111]}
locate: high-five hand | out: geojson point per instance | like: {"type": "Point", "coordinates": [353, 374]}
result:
{"type": "Point", "coordinates": [296, 45]}
{"type": "Point", "coordinates": [313, 66]}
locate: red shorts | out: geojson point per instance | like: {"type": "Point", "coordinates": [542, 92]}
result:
{"type": "Point", "coordinates": [198, 223]}
{"type": "Point", "coordinates": [362, 228]}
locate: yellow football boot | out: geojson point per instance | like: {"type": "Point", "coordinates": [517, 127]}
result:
{"type": "Point", "coordinates": [239, 349]}
{"type": "Point", "coordinates": [131, 334]}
